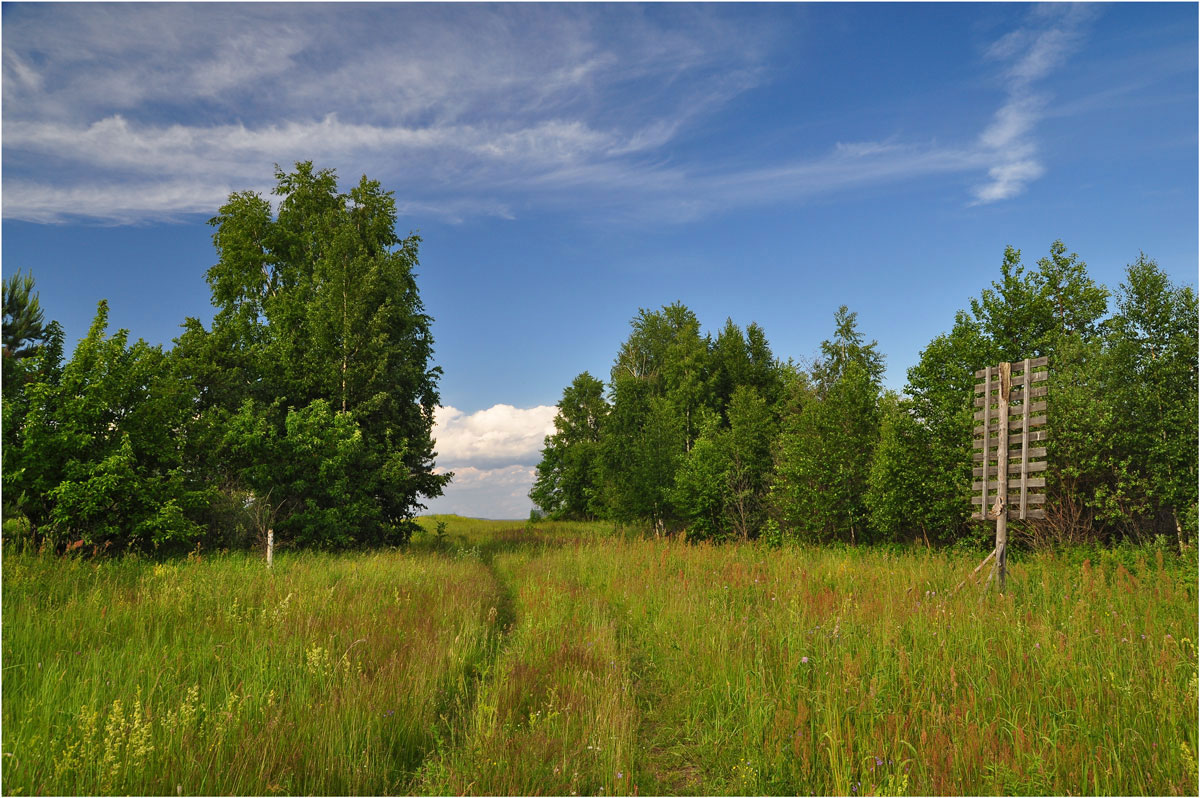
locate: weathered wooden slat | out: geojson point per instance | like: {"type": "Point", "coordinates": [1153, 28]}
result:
{"type": "Point", "coordinates": [1014, 425]}
{"type": "Point", "coordinates": [1034, 437]}
{"type": "Point", "coordinates": [1033, 498]}
{"type": "Point", "coordinates": [1015, 395]}
{"type": "Point", "coordinates": [1029, 513]}
{"type": "Point", "coordinates": [1020, 365]}
{"type": "Point", "coordinates": [1016, 410]}
{"type": "Point", "coordinates": [1037, 376]}
{"type": "Point", "coordinates": [1033, 453]}
{"type": "Point", "coordinates": [1013, 468]}
{"type": "Point", "coordinates": [1034, 482]}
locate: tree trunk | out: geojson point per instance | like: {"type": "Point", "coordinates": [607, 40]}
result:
{"type": "Point", "coordinates": [270, 547]}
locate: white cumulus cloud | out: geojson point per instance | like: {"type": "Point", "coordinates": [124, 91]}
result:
{"type": "Point", "coordinates": [493, 454]}
{"type": "Point", "coordinates": [500, 435]}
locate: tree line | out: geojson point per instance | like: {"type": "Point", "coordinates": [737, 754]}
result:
{"type": "Point", "coordinates": [305, 408]}
{"type": "Point", "coordinates": [721, 438]}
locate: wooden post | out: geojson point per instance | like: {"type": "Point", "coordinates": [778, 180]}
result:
{"type": "Point", "coordinates": [1026, 406]}
{"type": "Point", "coordinates": [270, 547]}
{"type": "Point", "coordinates": [1002, 475]}
{"type": "Point", "coordinates": [987, 422]}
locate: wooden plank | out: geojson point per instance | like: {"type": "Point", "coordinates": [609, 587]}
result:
{"type": "Point", "coordinates": [1034, 452]}
{"type": "Point", "coordinates": [1015, 395]}
{"type": "Point", "coordinates": [1015, 410]}
{"type": "Point", "coordinates": [1033, 498]}
{"type": "Point", "coordinates": [1033, 363]}
{"type": "Point", "coordinates": [1037, 376]}
{"type": "Point", "coordinates": [1013, 468]}
{"type": "Point", "coordinates": [1034, 482]}
{"type": "Point", "coordinates": [1035, 512]}
{"type": "Point", "coordinates": [1034, 437]}
{"type": "Point", "coordinates": [1014, 425]}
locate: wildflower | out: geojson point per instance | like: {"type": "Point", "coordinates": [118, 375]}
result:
{"type": "Point", "coordinates": [804, 660]}
{"type": "Point", "coordinates": [620, 775]}
{"type": "Point", "coordinates": [1037, 645]}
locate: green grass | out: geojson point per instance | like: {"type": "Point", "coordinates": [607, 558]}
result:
{"type": "Point", "coordinates": [563, 659]}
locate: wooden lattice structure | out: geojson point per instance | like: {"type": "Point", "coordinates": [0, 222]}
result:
{"type": "Point", "coordinates": [1010, 447]}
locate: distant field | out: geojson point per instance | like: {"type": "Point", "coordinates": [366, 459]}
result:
{"type": "Point", "coordinates": [561, 659]}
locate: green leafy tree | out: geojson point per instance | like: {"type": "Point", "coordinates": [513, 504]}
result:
{"type": "Point", "coordinates": [566, 482]}
{"type": "Point", "coordinates": [743, 359]}
{"type": "Point", "coordinates": [666, 351]}
{"type": "Point", "coordinates": [1152, 345]}
{"type": "Point", "coordinates": [97, 457]}
{"type": "Point", "coordinates": [319, 304]}
{"type": "Point", "coordinates": [700, 493]}
{"type": "Point", "coordinates": [642, 441]}
{"type": "Point", "coordinates": [753, 428]}
{"type": "Point", "coordinates": [940, 390]}
{"type": "Point", "coordinates": [825, 450]}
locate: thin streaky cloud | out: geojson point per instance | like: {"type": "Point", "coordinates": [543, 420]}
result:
{"type": "Point", "coordinates": [1033, 53]}
{"type": "Point", "coordinates": [467, 117]}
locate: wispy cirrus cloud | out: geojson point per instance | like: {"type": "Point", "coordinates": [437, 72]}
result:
{"type": "Point", "coordinates": [128, 113]}
{"type": "Point", "coordinates": [454, 107]}
{"type": "Point", "coordinates": [1030, 54]}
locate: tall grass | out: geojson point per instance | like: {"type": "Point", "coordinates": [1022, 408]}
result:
{"type": "Point", "coordinates": [329, 674]}
{"type": "Point", "coordinates": [553, 658]}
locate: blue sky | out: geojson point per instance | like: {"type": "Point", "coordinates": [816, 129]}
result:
{"type": "Point", "coordinates": [567, 165]}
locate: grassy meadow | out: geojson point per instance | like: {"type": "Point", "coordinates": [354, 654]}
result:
{"type": "Point", "coordinates": [565, 659]}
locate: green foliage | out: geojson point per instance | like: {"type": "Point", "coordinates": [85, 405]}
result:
{"type": "Point", "coordinates": [95, 455]}
{"type": "Point", "coordinates": [701, 489]}
{"type": "Point", "coordinates": [642, 441]}
{"type": "Point", "coordinates": [565, 486]}
{"type": "Point", "coordinates": [752, 432]}
{"type": "Point", "coordinates": [679, 440]}
{"type": "Point", "coordinates": [825, 449]}
{"type": "Point", "coordinates": [23, 326]}
{"type": "Point", "coordinates": [1152, 343]}
{"type": "Point", "coordinates": [940, 388]}
{"type": "Point", "coordinates": [1113, 399]}
{"type": "Point", "coordinates": [319, 355]}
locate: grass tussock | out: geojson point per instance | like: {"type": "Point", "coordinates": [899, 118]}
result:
{"type": "Point", "coordinates": [509, 658]}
